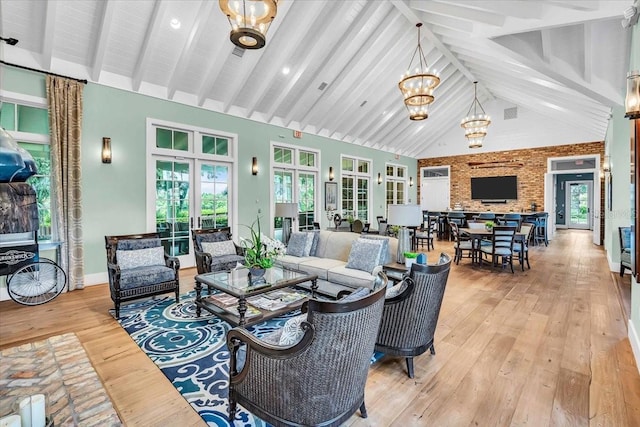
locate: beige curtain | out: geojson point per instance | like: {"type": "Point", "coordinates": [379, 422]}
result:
{"type": "Point", "coordinates": [65, 120]}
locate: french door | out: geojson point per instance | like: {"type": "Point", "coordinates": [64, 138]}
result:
{"type": "Point", "coordinates": [189, 193]}
{"type": "Point", "coordinates": [303, 192]}
{"type": "Point", "coordinates": [579, 204]}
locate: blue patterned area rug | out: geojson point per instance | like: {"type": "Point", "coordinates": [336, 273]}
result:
{"type": "Point", "coordinates": [192, 351]}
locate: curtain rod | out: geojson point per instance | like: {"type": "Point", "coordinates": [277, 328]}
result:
{"type": "Point", "coordinates": [41, 71]}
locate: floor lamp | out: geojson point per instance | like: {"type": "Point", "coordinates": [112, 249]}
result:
{"type": "Point", "coordinates": [404, 216]}
{"type": "Point", "coordinates": [288, 212]}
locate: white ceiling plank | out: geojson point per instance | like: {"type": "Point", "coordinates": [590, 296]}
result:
{"type": "Point", "coordinates": [523, 9]}
{"type": "Point", "coordinates": [587, 72]}
{"type": "Point", "coordinates": [575, 4]}
{"type": "Point", "coordinates": [252, 58]}
{"type": "Point", "coordinates": [367, 22]}
{"type": "Point", "coordinates": [449, 22]}
{"type": "Point", "coordinates": [449, 9]}
{"type": "Point", "coordinates": [547, 54]}
{"type": "Point", "coordinates": [100, 47]}
{"type": "Point", "coordinates": [157, 16]}
{"type": "Point", "coordinates": [48, 35]}
{"type": "Point", "coordinates": [198, 30]}
{"type": "Point", "coordinates": [313, 31]}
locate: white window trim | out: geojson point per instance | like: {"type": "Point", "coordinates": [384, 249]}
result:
{"type": "Point", "coordinates": [357, 174]}
{"type": "Point", "coordinates": [396, 178]}
{"type": "Point", "coordinates": [152, 149]}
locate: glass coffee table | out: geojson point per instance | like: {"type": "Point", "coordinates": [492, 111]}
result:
{"type": "Point", "coordinates": [237, 286]}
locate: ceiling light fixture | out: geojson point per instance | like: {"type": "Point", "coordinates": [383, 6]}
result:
{"type": "Point", "coordinates": [417, 88]}
{"type": "Point", "coordinates": [249, 20]}
{"type": "Point", "coordinates": [632, 100]}
{"type": "Point", "coordinates": [286, 70]}
{"type": "Point", "coordinates": [175, 23]}
{"type": "Point", "coordinates": [475, 125]}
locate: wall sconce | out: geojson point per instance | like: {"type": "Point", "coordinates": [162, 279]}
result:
{"type": "Point", "coordinates": [331, 176]}
{"type": "Point", "coordinates": [106, 150]}
{"type": "Point", "coordinates": [632, 101]}
{"type": "Point", "coordinates": [606, 166]}
{"type": "Point", "coordinates": [410, 181]}
{"type": "Point", "coordinates": [254, 166]}
{"type": "Point", "coordinates": [379, 178]}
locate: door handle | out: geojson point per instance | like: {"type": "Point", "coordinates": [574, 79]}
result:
{"type": "Point", "coordinates": [199, 223]}
{"type": "Point", "coordinates": [191, 222]}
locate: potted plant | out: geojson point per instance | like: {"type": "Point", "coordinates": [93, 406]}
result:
{"type": "Point", "coordinates": [410, 258]}
{"type": "Point", "coordinates": [489, 225]}
{"type": "Point", "coordinates": [257, 255]}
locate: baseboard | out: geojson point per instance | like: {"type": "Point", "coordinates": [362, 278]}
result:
{"type": "Point", "coordinates": [635, 343]}
{"type": "Point", "coordinates": [96, 279]}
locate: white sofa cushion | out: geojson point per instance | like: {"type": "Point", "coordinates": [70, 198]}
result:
{"type": "Point", "coordinates": [320, 266]}
{"type": "Point", "coordinates": [292, 262]}
{"type": "Point", "coordinates": [351, 277]}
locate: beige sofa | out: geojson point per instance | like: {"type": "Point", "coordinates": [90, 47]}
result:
{"type": "Point", "coordinates": [330, 261]}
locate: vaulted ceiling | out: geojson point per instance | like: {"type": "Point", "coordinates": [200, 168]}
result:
{"type": "Point", "coordinates": [564, 59]}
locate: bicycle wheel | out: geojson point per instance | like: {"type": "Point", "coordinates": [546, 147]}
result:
{"type": "Point", "coordinates": [36, 283]}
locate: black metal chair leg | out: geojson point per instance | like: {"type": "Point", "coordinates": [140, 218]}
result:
{"type": "Point", "coordinates": [433, 349]}
{"type": "Point", "coordinates": [410, 366]}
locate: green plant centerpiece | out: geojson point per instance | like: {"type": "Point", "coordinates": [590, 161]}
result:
{"type": "Point", "coordinates": [489, 225]}
{"type": "Point", "coordinates": [410, 258]}
{"type": "Point", "coordinates": [258, 253]}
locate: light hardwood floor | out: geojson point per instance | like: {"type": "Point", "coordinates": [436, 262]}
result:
{"type": "Point", "coordinates": [547, 346]}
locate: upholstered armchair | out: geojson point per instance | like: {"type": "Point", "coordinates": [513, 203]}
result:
{"type": "Point", "coordinates": [215, 251]}
{"type": "Point", "coordinates": [411, 311]}
{"type": "Point", "coordinates": [138, 267]}
{"type": "Point", "coordinates": [317, 379]}
{"type": "Point", "coordinates": [625, 249]}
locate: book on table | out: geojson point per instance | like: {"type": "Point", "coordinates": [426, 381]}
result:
{"type": "Point", "coordinates": [266, 303]}
{"type": "Point", "coordinates": [222, 300]}
{"type": "Point", "coordinates": [286, 296]}
{"type": "Point", "coordinates": [251, 311]}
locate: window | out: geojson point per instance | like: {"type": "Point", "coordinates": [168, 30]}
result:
{"type": "Point", "coordinates": [395, 184]}
{"type": "Point", "coordinates": [356, 180]}
{"type": "Point", "coordinates": [295, 180]}
{"type": "Point", "coordinates": [29, 126]}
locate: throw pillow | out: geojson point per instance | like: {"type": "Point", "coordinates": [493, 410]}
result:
{"type": "Point", "coordinates": [359, 293]}
{"type": "Point", "coordinates": [385, 256]}
{"type": "Point", "coordinates": [299, 244]}
{"type": "Point", "coordinates": [140, 257]}
{"type": "Point", "coordinates": [216, 249]}
{"type": "Point", "coordinates": [395, 290]}
{"type": "Point", "coordinates": [364, 255]}
{"type": "Point", "coordinates": [314, 243]}
{"type": "Point", "coordinates": [292, 332]}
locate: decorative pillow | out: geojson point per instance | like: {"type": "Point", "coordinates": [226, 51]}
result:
{"type": "Point", "coordinates": [314, 243]}
{"type": "Point", "coordinates": [292, 332]}
{"type": "Point", "coordinates": [385, 256]}
{"type": "Point", "coordinates": [395, 290]}
{"type": "Point", "coordinates": [300, 244]}
{"type": "Point", "coordinates": [140, 257]}
{"type": "Point", "coordinates": [131, 244]}
{"type": "Point", "coordinates": [365, 254]}
{"type": "Point", "coordinates": [359, 293]}
{"type": "Point", "coordinates": [225, 247]}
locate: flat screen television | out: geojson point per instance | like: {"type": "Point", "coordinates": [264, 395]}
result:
{"type": "Point", "coordinates": [494, 188]}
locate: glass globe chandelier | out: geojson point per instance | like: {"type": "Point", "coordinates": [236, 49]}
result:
{"type": "Point", "coordinates": [475, 125]}
{"type": "Point", "coordinates": [417, 88]}
{"type": "Point", "coordinates": [249, 20]}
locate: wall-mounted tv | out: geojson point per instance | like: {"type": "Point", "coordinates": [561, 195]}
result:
{"type": "Point", "coordinates": [494, 188]}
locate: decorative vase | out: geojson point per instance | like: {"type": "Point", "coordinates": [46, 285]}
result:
{"type": "Point", "coordinates": [408, 262]}
{"type": "Point", "coordinates": [488, 227]}
{"type": "Point", "coordinates": [257, 272]}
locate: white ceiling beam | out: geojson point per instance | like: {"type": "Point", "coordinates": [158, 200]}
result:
{"type": "Point", "coordinates": [587, 71]}
{"type": "Point", "coordinates": [252, 58]}
{"type": "Point", "coordinates": [366, 48]}
{"type": "Point", "coordinates": [50, 12]}
{"type": "Point", "coordinates": [100, 46]}
{"type": "Point", "coordinates": [217, 60]}
{"type": "Point", "coordinates": [449, 9]}
{"type": "Point", "coordinates": [151, 35]}
{"type": "Point", "coordinates": [197, 31]}
{"type": "Point", "coordinates": [547, 46]}
{"type": "Point", "coordinates": [313, 27]}
{"type": "Point", "coordinates": [575, 4]}
{"type": "Point", "coordinates": [524, 9]}
{"type": "Point", "coordinates": [337, 43]}
{"type": "Point", "coordinates": [449, 22]}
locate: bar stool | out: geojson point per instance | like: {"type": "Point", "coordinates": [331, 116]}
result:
{"type": "Point", "coordinates": [541, 228]}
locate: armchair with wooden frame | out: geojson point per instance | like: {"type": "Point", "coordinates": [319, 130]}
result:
{"type": "Point", "coordinates": [215, 250]}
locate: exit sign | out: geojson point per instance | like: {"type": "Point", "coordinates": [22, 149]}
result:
{"type": "Point", "coordinates": [297, 134]}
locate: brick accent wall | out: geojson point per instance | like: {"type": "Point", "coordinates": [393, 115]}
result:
{"type": "Point", "coordinates": [529, 165]}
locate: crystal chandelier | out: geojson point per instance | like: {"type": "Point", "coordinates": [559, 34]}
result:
{"type": "Point", "coordinates": [417, 88]}
{"type": "Point", "coordinates": [475, 125]}
{"type": "Point", "coordinates": [249, 20]}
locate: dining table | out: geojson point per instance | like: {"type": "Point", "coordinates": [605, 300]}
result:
{"type": "Point", "coordinates": [477, 234]}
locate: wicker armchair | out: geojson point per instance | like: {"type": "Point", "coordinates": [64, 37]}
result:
{"type": "Point", "coordinates": [305, 384]}
{"type": "Point", "coordinates": [409, 319]}
{"type": "Point", "coordinates": [227, 258]}
{"type": "Point", "coordinates": [138, 267]}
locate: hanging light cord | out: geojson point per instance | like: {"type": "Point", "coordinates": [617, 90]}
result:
{"type": "Point", "coordinates": [475, 102]}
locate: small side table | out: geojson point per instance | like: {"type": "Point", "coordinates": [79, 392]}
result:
{"type": "Point", "coordinates": [395, 271]}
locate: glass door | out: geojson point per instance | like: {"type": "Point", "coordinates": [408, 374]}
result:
{"type": "Point", "coordinates": [213, 195]}
{"type": "Point", "coordinates": [579, 204]}
{"type": "Point", "coordinates": [173, 206]}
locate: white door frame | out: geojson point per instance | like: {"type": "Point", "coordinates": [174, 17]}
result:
{"type": "Point", "coordinates": [567, 205]}
{"type": "Point", "coordinates": [549, 192]}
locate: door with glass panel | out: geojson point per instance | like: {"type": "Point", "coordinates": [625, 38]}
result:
{"type": "Point", "coordinates": [579, 204]}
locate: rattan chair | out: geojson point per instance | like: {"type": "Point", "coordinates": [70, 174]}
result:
{"type": "Point", "coordinates": [409, 319]}
{"type": "Point", "coordinates": [141, 276]}
{"type": "Point", "coordinates": [207, 262]}
{"type": "Point", "coordinates": [318, 381]}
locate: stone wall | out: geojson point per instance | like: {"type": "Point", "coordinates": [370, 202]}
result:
{"type": "Point", "coordinates": [528, 165]}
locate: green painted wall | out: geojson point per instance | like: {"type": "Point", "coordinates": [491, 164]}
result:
{"type": "Point", "coordinates": [114, 195]}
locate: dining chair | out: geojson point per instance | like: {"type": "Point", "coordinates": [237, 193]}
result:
{"type": "Point", "coordinates": [501, 245]}
{"type": "Point", "coordinates": [461, 245]}
{"type": "Point", "coordinates": [541, 228]}
{"type": "Point", "coordinates": [522, 248]}
{"type": "Point", "coordinates": [426, 233]}
{"type": "Point", "coordinates": [457, 218]}
{"type": "Point", "coordinates": [485, 216]}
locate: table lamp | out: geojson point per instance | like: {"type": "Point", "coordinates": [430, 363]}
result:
{"type": "Point", "coordinates": [286, 211]}
{"type": "Point", "coordinates": [404, 216]}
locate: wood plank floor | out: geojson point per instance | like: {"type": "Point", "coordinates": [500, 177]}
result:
{"type": "Point", "coordinates": [547, 346]}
